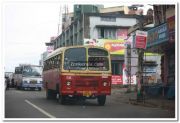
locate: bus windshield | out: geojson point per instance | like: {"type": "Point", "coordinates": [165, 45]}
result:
{"type": "Point", "coordinates": [98, 59]}
{"type": "Point", "coordinates": [75, 59]}
{"type": "Point", "coordinates": [32, 71]}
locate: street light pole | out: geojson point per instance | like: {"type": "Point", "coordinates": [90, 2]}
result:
{"type": "Point", "coordinates": [140, 88]}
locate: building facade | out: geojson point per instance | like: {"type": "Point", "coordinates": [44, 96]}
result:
{"type": "Point", "coordinates": [95, 25]}
{"type": "Point", "coordinates": [161, 39]}
{"type": "Point", "coordinates": [105, 30]}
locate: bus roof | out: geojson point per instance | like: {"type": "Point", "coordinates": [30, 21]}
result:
{"type": "Point", "coordinates": [62, 49]}
{"type": "Point", "coordinates": [20, 65]}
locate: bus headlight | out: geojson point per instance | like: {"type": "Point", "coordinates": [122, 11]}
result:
{"type": "Point", "coordinates": [68, 83]}
{"type": "Point", "coordinates": [105, 83]}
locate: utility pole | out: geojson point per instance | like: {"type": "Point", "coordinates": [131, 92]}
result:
{"type": "Point", "coordinates": [141, 39]}
{"type": "Point", "coordinates": [129, 66]}
{"type": "Point", "coordinates": [140, 87]}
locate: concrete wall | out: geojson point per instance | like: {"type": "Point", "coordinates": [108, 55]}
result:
{"type": "Point", "coordinates": [124, 22]}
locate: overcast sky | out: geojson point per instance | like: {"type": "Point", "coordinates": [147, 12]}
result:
{"type": "Point", "coordinates": [26, 28]}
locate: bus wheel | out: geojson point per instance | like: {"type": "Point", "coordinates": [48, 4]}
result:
{"type": "Point", "coordinates": [101, 100]}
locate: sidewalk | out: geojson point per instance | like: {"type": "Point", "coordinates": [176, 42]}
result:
{"type": "Point", "coordinates": [124, 97]}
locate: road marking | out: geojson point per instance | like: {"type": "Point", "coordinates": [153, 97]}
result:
{"type": "Point", "coordinates": [39, 109]}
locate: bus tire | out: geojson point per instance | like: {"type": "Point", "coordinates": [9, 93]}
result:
{"type": "Point", "coordinates": [101, 100]}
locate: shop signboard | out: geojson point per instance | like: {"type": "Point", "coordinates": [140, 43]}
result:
{"type": "Point", "coordinates": [157, 35]}
{"type": "Point", "coordinates": [113, 46]}
{"type": "Point", "coordinates": [141, 41]}
{"type": "Point", "coordinates": [116, 79]}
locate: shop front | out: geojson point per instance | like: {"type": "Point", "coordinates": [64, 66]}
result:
{"type": "Point", "coordinates": [161, 39]}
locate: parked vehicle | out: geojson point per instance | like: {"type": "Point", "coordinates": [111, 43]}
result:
{"type": "Point", "coordinates": [78, 72]}
{"type": "Point", "coordinates": [28, 77]}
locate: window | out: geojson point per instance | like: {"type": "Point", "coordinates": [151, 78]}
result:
{"type": "Point", "coordinates": [97, 52]}
{"type": "Point", "coordinates": [54, 62]}
{"type": "Point", "coordinates": [18, 70]}
{"type": "Point", "coordinates": [75, 59]}
{"type": "Point", "coordinates": [107, 33]}
{"type": "Point", "coordinates": [32, 70]}
{"type": "Point", "coordinates": [98, 60]}
{"type": "Point", "coordinates": [102, 32]}
{"type": "Point", "coordinates": [110, 19]}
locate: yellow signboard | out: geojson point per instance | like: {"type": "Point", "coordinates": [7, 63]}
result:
{"type": "Point", "coordinates": [113, 46]}
{"type": "Point", "coordinates": [116, 47]}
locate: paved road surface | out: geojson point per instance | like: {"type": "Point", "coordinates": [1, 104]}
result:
{"type": "Point", "coordinates": [33, 104]}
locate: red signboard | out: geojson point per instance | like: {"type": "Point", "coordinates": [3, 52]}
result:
{"type": "Point", "coordinates": [141, 39]}
{"type": "Point", "coordinates": [141, 42]}
{"type": "Point", "coordinates": [117, 79]}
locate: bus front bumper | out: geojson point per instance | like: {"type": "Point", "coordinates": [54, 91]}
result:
{"type": "Point", "coordinates": [86, 93]}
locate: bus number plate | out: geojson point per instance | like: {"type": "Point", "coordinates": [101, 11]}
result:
{"type": "Point", "coordinates": [87, 93]}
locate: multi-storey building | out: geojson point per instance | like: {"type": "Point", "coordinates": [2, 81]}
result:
{"type": "Point", "coordinates": [105, 27]}
{"type": "Point", "coordinates": [161, 39]}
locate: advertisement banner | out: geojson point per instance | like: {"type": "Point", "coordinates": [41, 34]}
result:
{"type": "Point", "coordinates": [113, 46]}
{"type": "Point", "coordinates": [157, 35]}
{"type": "Point", "coordinates": [125, 78]}
{"type": "Point", "coordinates": [116, 79]}
{"type": "Point", "coordinates": [141, 39]}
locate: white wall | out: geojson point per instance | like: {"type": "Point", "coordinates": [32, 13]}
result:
{"type": "Point", "coordinates": [94, 20]}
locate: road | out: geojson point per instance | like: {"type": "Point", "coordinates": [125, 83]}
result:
{"type": "Point", "coordinates": [33, 104]}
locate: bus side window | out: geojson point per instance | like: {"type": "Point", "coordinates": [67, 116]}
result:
{"type": "Point", "coordinates": [51, 63]}
{"type": "Point", "coordinates": [56, 61]}
{"type": "Point", "coordinates": [45, 66]}
{"type": "Point", "coordinates": [59, 61]}
{"type": "Point", "coordinates": [48, 64]}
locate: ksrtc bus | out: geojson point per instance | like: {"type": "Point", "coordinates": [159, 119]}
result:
{"type": "Point", "coordinates": [78, 72]}
{"type": "Point", "coordinates": [28, 77]}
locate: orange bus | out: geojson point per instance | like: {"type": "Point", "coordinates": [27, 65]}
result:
{"type": "Point", "coordinates": [80, 72]}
